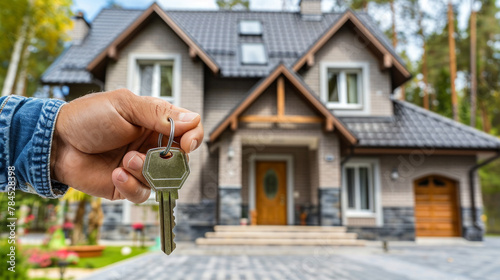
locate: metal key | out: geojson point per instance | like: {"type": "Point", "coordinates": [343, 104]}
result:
{"type": "Point", "coordinates": [166, 170]}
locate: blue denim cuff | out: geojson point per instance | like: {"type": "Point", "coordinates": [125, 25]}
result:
{"type": "Point", "coordinates": [42, 143]}
{"type": "Point", "coordinates": [26, 130]}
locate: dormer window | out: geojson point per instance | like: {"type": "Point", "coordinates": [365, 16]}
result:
{"type": "Point", "coordinates": [343, 85]}
{"type": "Point", "coordinates": [253, 53]}
{"type": "Point", "coordinates": [250, 27]}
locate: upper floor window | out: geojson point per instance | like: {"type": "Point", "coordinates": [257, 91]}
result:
{"type": "Point", "coordinates": [156, 75]}
{"type": "Point", "coordinates": [343, 85]}
{"type": "Point", "coordinates": [156, 79]}
{"type": "Point", "coordinates": [250, 27]}
{"type": "Point", "coordinates": [253, 53]}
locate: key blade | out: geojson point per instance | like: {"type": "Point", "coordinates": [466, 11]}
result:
{"type": "Point", "coordinates": [167, 220]}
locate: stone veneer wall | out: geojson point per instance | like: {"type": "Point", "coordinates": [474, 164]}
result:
{"type": "Point", "coordinates": [329, 207]}
{"type": "Point", "coordinates": [194, 220]}
{"type": "Point", "coordinates": [399, 224]}
{"type": "Point", "coordinates": [229, 206]}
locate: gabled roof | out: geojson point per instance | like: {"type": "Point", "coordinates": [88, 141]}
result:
{"type": "Point", "coordinates": [286, 36]}
{"type": "Point", "coordinates": [131, 31]}
{"type": "Point", "coordinates": [415, 127]}
{"type": "Point", "coordinates": [232, 117]}
{"type": "Point", "coordinates": [387, 56]}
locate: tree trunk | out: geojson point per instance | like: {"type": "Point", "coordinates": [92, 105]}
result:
{"type": "Point", "coordinates": [23, 72]}
{"type": "Point", "coordinates": [8, 84]}
{"type": "Point", "coordinates": [394, 34]}
{"type": "Point", "coordinates": [453, 60]}
{"type": "Point", "coordinates": [96, 219]}
{"type": "Point", "coordinates": [77, 235]}
{"type": "Point", "coordinates": [424, 62]}
{"type": "Point", "coordinates": [484, 117]}
{"type": "Point", "coordinates": [473, 67]}
{"type": "Point", "coordinates": [425, 74]}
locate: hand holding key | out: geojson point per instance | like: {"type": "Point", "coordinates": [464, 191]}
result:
{"type": "Point", "coordinates": [100, 142]}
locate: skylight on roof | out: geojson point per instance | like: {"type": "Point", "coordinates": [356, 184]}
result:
{"type": "Point", "coordinates": [250, 27]}
{"type": "Point", "coordinates": [253, 53]}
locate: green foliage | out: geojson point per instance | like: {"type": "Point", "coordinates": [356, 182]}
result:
{"type": "Point", "coordinates": [233, 4]}
{"type": "Point", "coordinates": [48, 24]}
{"type": "Point", "coordinates": [110, 255]}
{"type": "Point", "coordinates": [20, 271]}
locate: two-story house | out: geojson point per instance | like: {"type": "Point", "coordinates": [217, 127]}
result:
{"type": "Point", "coordinates": [301, 124]}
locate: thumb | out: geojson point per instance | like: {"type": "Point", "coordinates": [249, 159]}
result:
{"type": "Point", "coordinates": [153, 113]}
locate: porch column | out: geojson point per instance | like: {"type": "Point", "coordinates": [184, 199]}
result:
{"type": "Point", "coordinates": [328, 164]}
{"type": "Point", "coordinates": [230, 180]}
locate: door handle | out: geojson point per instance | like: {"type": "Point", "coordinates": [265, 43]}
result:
{"type": "Point", "coordinates": [282, 200]}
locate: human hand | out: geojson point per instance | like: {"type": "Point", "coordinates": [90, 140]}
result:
{"type": "Point", "coordinates": [100, 141]}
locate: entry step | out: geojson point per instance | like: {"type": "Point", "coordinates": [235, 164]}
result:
{"type": "Point", "coordinates": [279, 228]}
{"type": "Point", "coordinates": [281, 242]}
{"type": "Point", "coordinates": [280, 235]}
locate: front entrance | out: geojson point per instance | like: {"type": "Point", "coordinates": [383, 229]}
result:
{"type": "Point", "coordinates": [271, 193]}
{"type": "Point", "coordinates": [436, 207]}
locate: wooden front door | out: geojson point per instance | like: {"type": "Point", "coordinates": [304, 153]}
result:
{"type": "Point", "coordinates": [270, 190]}
{"type": "Point", "coordinates": [436, 207]}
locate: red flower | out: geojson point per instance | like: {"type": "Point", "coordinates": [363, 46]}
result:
{"type": "Point", "coordinates": [138, 226]}
{"type": "Point", "coordinates": [68, 225]}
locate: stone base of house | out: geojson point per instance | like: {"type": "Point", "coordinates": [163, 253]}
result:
{"type": "Point", "coordinates": [399, 225]}
{"type": "Point", "coordinates": [229, 205]}
{"type": "Point", "coordinates": [329, 207]}
{"type": "Point", "coordinates": [194, 220]}
{"type": "Point", "coordinates": [383, 233]}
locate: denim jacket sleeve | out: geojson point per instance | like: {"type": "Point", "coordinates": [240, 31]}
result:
{"type": "Point", "coordinates": [26, 130]}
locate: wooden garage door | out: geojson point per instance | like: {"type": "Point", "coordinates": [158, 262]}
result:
{"type": "Point", "coordinates": [436, 207]}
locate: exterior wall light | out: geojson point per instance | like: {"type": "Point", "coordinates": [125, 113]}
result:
{"type": "Point", "coordinates": [230, 153]}
{"type": "Point", "coordinates": [395, 174]}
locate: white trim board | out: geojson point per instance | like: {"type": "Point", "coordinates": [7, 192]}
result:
{"type": "Point", "coordinates": [133, 71]}
{"type": "Point", "coordinates": [365, 94]}
{"type": "Point", "coordinates": [289, 177]}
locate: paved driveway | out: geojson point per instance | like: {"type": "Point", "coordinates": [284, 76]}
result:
{"type": "Point", "coordinates": [403, 261]}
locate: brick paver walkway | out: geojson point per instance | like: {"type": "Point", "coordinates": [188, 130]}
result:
{"type": "Point", "coordinates": [402, 262]}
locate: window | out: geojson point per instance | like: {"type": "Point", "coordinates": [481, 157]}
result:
{"type": "Point", "coordinates": [359, 186]}
{"type": "Point", "coordinates": [250, 27]}
{"type": "Point", "coordinates": [344, 87]}
{"type": "Point", "coordinates": [254, 53]}
{"type": "Point", "coordinates": [156, 79]}
{"type": "Point", "coordinates": [155, 74]}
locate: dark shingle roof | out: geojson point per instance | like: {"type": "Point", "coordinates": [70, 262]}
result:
{"type": "Point", "coordinates": [415, 127]}
{"type": "Point", "coordinates": [286, 37]}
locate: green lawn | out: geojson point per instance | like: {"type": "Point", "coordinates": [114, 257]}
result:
{"type": "Point", "coordinates": [110, 255]}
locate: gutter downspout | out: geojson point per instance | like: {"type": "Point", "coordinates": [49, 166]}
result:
{"type": "Point", "coordinates": [475, 221]}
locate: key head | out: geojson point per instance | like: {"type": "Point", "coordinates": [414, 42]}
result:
{"type": "Point", "coordinates": [166, 173]}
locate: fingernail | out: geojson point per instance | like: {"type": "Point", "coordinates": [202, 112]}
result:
{"type": "Point", "coordinates": [122, 176]}
{"type": "Point", "coordinates": [194, 144]}
{"type": "Point", "coordinates": [135, 163]}
{"type": "Point", "coordinates": [187, 117]}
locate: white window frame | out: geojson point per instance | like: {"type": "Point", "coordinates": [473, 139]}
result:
{"type": "Point", "coordinates": [375, 210]}
{"type": "Point", "coordinates": [342, 107]}
{"type": "Point", "coordinates": [133, 79]}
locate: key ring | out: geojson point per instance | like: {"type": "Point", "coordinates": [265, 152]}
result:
{"type": "Point", "coordinates": [170, 138]}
